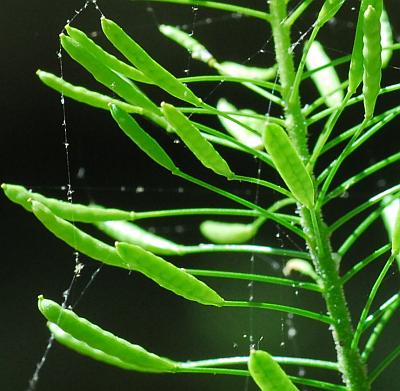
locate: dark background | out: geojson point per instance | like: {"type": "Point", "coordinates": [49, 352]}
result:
{"type": "Point", "coordinates": [106, 168]}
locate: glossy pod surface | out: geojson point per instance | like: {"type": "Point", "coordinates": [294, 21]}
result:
{"type": "Point", "coordinates": [96, 338]}
{"type": "Point", "coordinates": [168, 275]}
{"type": "Point", "coordinates": [267, 373]}
{"type": "Point", "coordinates": [66, 210]}
{"type": "Point", "coordinates": [289, 164]}
{"type": "Point", "coordinates": [191, 136]}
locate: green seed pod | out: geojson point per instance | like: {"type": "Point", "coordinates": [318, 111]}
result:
{"type": "Point", "coordinates": [328, 11]}
{"type": "Point", "coordinates": [326, 80]}
{"type": "Point", "coordinates": [195, 48]}
{"type": "Point", "coordinates": [230, 68]}
{"type": "Point", "coordinates": [104, 75]}
{"type": "Point", "coordinates": [191, 136]}
{"type": "Point", "coordinates": [150, 68]}
{"type": "Point", "coordinates": [356, 62]}
{"type": "Point", "coordinates": [76, 238]}
{"type": "Point", "coordinates": [301, 266]}
{"type": "Point", "coordinates": [396, 235]}
{"type": "Point", "coordinates": [230, 233]}
{"type": "Point", "coordinates": [289, 164]}
{"type": "Point", "coordinates": [168, 275]}
{"type": "Point", "coordinates": [143, 140]}
{"type": "Point", "coordinates": [96, 338]}
{"type": "Point", "coordinates": [391, 219]}
{"type": "Point", "coordinates": [107, 59]}
{"type": "Point", "coordinates": [132, 233]}
{"type": "Point", "coordinates": [81, 94]}
{"type": "Point", "coordinates": [240, 133]}
{"type": "Point", "coordinates": [66, 210]}
{"type": "Point", "coordinates": [267, 373]}
{"type": "Point", "coordinates": [372, 52]}
{"type": "Point", "coordinates": [386, 39]}
{"type": "Point", "coordinates": [83, 348]}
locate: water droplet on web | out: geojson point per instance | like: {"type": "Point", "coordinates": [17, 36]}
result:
{"type": "Point", "coordinates": [139, 189]}
{"type": "Point", "coordinates": [292, 332]}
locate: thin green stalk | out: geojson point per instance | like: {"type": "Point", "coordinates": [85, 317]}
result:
{"type": "Point", "coordinates": [243, 248]}
{"type": "Point", "coordinates": [241, 201]}
{"type": "Point", "coordinates": [280, 308]}
{"type": "Point", "coordinates": [371, 297]}
{"type": "Point", "coordinates": [216, 362]}
{"type": "Point", "coordinates": [255, 277]}
{"type": "Point", "coordinates": [365, 262]}
{"type": "Point", "coordinates": [384, 364]}
{"type": "Point", "coordinates": [378, 329]}
{"type": "Point", "coordinates": [220, 6]}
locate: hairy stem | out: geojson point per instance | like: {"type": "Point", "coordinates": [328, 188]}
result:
{"type": "Point", "coordinates": [350, 363]}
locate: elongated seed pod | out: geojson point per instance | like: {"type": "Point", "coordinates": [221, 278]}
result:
{"type": "Point", "coordinates": [391, 219]}
{"type": "Point", "coordinates": [143, 140]}
{"type": "Point", "coordinates": [76, 238]}
{"type": "Point", "coordinates": [96, 338]}
{"type": "Point", "coordinates": [326, 80]}
{"type": "Point", "coordinates": [66, 210]}
{"type": "Point", "coordinates": [396, 235]}
{"type": "Point", "coordinates": [104, 57]}
{"type": "Point", "coordinates": [123, 231]}
{"type": "Point", "coordinates": [83, 348]}
{"type": "Point", "coordinates": [328, 11]}
{"type": "Point", "coordinates": [386, 38]}
{"type": "Point", "coordinates": [194, 47]}
{"type": "Point", "coordinates": [82, 94]}
{"type": "Point", "coordinates": [231, 68]}
{"type": "Point", "coordinates": [104, 75]}
{"type": "Point", "coordinates": [138, 57]}
{"type": "Point", "coordinates": [372, 59]}
{"type": "Point", "coordinates": [229, 233]}
{"type": "Point", "coordinates": [267, 373]}
{"type": "Point", "coordinates": [168, 275]}
{"type": "Point", "coordinates": [191, 136]}
{"type": "Point", "coordinates": [356, 62]}
{"type": "Point", "coordinates": [241, 133]}
{"type": "Point", "coordinates": [289, 164]}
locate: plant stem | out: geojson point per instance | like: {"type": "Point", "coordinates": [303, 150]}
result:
{"type": "Point", "coordinates": [349, 359]}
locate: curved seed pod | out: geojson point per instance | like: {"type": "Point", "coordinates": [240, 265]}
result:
{"type": "Point", "coordinates": [168, 275]}
{"type": "Point", "coordinates": [138, 57]}
{"type": "Point", "coordinates": [289, 164]}
{"type": "Point", "coordinates": [326, 80]}
{"type": "Point", "coordinates": [356, 62]}
{"type": "Point", "coordinates": [191, 136]}
{"type": "Point", "coordinates": [301, 266]}
{"type": "Point", "coordinates": [132, 233]}
{"type": "Point", "coordinates": [328, 11]}
{"type": "Point", "coordinates": [104, 57]}
{"type": "Point", "coordinates": [194, 47]}
{"type": "Point", "coordinates": [396, 235]}
{"type": "Point", "coordinates": [240, 133]}
{"type": "Point", "coordinates": [104, 75]}
{"type": "Point", "coordinates": [386, 39]}
{"type": "Point", "coordinates": [76, 238]}
{"type": "Point", "coordinates": [67, 211]}
{"type": "Point", "coordinates": [229, 233]}
{"type": "Point", "coordinates": [372, 59]}
{"type": "Point", "coordinates": [267, 373]}
{"type": "Point", "coordinates": [391, 219]}
{"type": "Point", "coordinates": [230, 68]}
{"type": "Point", "coordinates": [96, 338]}
{"type": "Point", "coordinates": [82, 94]}
{"type": "Point", "coordinates": [143, 140]}
{"type": "Point", "coordinates": [83, 348]}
